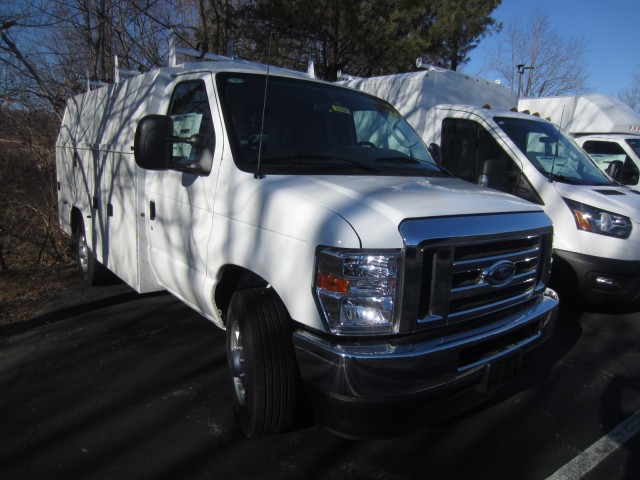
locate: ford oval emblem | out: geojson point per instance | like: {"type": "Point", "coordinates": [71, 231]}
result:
{"type": "Point", "coordinates": [500, 273]}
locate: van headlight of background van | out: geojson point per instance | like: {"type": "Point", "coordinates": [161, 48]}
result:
{"type": "Point", "coordinates": [591, 219]}
{"type": "Point", "coordinates": [357, 290]}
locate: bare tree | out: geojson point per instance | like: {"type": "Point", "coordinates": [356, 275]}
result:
{"type": "Point", "coordinates": [631, 95]}
{"type": "Point", "coordinates": [50, 48]}
{"type": "Point", "coordinates": [536, 61]}
{"type": "Point", "coordinates": [29, 234]}
{"type": "Point", "coordinates": [25, 83]}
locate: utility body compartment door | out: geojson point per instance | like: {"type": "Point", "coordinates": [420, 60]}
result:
{"type": "Point", "coordinates": [179, 205]}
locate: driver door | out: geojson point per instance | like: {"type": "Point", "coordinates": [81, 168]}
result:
{"type": "Point", "coordinates": [179, 203]}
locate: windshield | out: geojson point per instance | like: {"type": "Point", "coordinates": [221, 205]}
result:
{"type": "Point", "coordinates": [551, 152]}
{"type": "Point", "coordinates": [317, 128]}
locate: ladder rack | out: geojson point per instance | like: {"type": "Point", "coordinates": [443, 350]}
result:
{"type": "Point", "coordinates": [120, 73]}
{"type": "Point", "coordinates": [174, 51]}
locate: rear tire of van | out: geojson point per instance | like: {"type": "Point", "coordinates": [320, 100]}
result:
{"type": "Point", "coordinates": [261, 359]}
{"type": "Point", "coordinates": [91, 271]}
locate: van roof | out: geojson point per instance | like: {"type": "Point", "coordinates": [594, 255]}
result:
{"type": "Point", "coordinates": [586, 114]}
{"type": "Point", "coordinates": [232, 66]}
{"type": "Point", "coordinates": [490, 113]}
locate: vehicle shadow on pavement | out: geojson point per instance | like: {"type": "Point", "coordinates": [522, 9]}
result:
{"type": "Point", "coordinates": [73, 303]}
{"type": "Point", "coordinates": [107, 383]}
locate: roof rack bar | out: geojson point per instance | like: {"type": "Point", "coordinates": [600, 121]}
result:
{"type": "Point", "coordinates": [196, 53]}
{"type": "Point", "coordinates": [122, 72]}
{"type": "Point", "coordinates": [345, 76]}
{"type": "Point", "coordinates": [95, 83]}
{"type": "Point", "coordinates": [427, 66]}
{"type": "Point", "coordinates": [174, 51]}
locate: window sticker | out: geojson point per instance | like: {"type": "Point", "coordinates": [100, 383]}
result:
{"type": "Point", "coordinates": [340, 109]}
{"type": "Point", "coordinates": [185, 126]}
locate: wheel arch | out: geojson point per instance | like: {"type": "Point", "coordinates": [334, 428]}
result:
{"type": "Point", "coordinates": [75, 219]}
{"type": "Point", "coordinates": [231, 279]}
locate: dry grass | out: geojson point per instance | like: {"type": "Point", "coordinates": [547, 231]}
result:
{"type": "Point", "coordinates": [25, 291]}
{"type": "Point", "coordinates": [32, 247]}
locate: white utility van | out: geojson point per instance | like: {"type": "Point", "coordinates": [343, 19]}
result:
{"type": "Point", "coordinates": [606, 128]}
{"type": "Point", "coordinates": [596, 222]}
{"type": "Point", "coordinates": [309, 221]}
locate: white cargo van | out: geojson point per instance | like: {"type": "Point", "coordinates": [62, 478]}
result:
{"type": "Point", "coordinates": [309, 221]}
{"type": "Point", "coordinates": [596, 222]}
{"type": "Point", "coordinates": [606, 128]}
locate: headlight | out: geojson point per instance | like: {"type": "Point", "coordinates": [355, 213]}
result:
{"type": "Point", "coordinates": [591, 219]}
{"type": "Point", "coordinates": [357, 291]}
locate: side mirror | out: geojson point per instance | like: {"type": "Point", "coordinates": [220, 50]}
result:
{"type": "Point", "coordinates": [152, 142]}
{"type": "Point", "coordinates": [153, 147]}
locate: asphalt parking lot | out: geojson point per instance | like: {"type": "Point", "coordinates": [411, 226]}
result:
{"type": "Point", "coordinates": [106, 383]}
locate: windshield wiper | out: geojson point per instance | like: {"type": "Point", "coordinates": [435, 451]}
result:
{"type": "Point", "coordinates": [408, 160]}
{"type": "Point", "coordinates": [297, 156]}
{"type": "Point", "coordinates": [329, 159]}
{"type": "Point", "coordinates": [561, 178]}
{"type": "Point", "coordinates": [404, 160]}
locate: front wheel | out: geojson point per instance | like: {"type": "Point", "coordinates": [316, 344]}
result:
{"type": "Point", "coordinates": [261, 359]}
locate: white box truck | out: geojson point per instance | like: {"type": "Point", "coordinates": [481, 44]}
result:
{"type": "Point", "coordinates": [309, 221]}
{"type": "Point", "coordinates": [596, 222]}
{"type": "Point", "coordinates": [414, 93]}
{"type": "Point", "coordinates": [606, 128]}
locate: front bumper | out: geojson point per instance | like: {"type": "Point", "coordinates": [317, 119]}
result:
{"type": "Point", "coordinates": [576, 270]}
{"type": "Point", "coordinates": [379, 388]}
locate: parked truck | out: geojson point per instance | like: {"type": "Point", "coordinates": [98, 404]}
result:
{"type": "Point", "coordinates": [606, 128]}
{"type": "Point", "coordinates": [310, 222]}
{"type": "Point", "coordinates": [414, 93]}
{"type": "Point", "coordinates": [596, 222]}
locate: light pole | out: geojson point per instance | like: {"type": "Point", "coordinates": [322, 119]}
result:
{"type": "Point", "coordinates": [521, 68]}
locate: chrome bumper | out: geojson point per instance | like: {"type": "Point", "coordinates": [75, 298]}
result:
{"type": "Point", "coordinates": [414, 368]}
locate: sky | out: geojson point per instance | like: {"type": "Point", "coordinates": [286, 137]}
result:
{"type": "Point", "coordinates": [611, 29]}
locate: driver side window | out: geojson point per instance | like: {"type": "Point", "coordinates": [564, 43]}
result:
{"type": "Point", "coordinates": [611, 158]}
{"type": "Point", "coordinates": [191, 115]}
{"type": "Point", "coordinates": [471, 153]}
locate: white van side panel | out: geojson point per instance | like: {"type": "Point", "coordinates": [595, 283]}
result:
{"type": "Point", "coordinates": [99, 178]}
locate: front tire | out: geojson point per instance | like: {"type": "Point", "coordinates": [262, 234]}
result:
{"type": "Point", "coordinates": [261, 359]}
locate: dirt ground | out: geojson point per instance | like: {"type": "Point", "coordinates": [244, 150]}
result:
{"type": "Point", "coordinates": [24, 291]}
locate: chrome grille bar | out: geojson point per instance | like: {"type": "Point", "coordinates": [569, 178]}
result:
{"type": "Point", "coordinates": [476, 277]}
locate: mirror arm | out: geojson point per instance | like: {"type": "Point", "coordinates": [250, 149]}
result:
{"type": "Point", "coordinates": [197, 141]}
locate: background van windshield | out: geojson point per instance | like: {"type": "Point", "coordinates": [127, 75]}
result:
{"type": "Point", "coordinates": [319, 128]}
{"type": "Point", "coordinates": [551, 152]}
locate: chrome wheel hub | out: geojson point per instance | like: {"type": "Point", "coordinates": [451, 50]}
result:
{"type": "Point", "coordinates": [83, 253]}
{"type": "Point", "coordinates": [238, 367]}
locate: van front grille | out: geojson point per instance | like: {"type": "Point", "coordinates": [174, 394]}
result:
{"type": "Point", "coordinates": [468, 277]}
{"type": "Point", "coordinates": [478, 279]}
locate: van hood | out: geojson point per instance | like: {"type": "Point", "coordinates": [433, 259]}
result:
{"type": "Point", "coordinates": [616, 199]}
{"type": "Point", "coordinates": [375, 206]}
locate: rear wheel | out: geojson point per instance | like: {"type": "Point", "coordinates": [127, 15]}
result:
{"type": "Point", "coordinates": [264, 376]}
{"type": "Point", "coordinates": [91, 271]}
